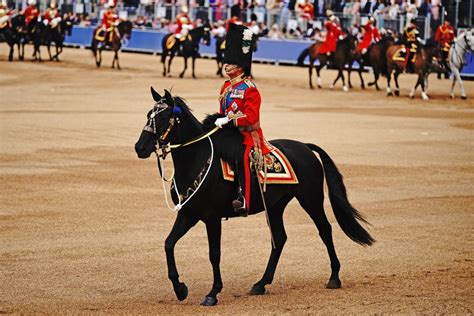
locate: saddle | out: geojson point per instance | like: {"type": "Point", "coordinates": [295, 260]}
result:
{"type": "Point", "coordinates": [105, 36]}
{"type": "Point", "coordinates": [278, 170]}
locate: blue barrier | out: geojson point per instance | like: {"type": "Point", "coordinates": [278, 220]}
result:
{"type": "Point", "coordinates": [275, 51]}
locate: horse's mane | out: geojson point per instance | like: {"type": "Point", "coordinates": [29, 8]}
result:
{"type": "Point", "coordinates": [208, 122]}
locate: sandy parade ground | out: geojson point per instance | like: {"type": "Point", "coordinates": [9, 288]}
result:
{"type": "Point", "coordinates": [83, 220]}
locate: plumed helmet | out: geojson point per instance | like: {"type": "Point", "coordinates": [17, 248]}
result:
{"type": "Point", "coordinates": [240, 42]}
{"type": "Point", "coordinates": [32, 2]}
{"type": "Point", "coordinates": [53, 4]}
{"type": "Point", "coordinates": [111, 4]}
{"type": "Point", "coordinates": [333, 18]}
{"type": "Point", "coordinates": [184, 9]}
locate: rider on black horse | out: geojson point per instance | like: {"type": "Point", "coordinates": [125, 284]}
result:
{"type": "Point", "coordinates": [104, 33]}
{"type": "Point", "coordinates": [240, 102]}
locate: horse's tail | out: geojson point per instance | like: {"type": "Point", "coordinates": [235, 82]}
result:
{"type": "Point", "coordinates": [346, 215]}
{"type": "Point", "coordinates": [303, 56]}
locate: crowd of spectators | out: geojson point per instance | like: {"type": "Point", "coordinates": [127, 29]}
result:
{"type": "Point", "coordinates": [286, 19]}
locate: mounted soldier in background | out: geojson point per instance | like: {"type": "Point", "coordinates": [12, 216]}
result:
{"type": "Point", "coordinates": [445, 37]}
{"type": "Point", "coordinates": [411, 43]}
{"type": "Point", "coordinates": [333, 33]}
{"type": "Point", "coordinates": [184, 24]}
{"type": "Point", "coordinates": [105, 32]}
{"type": "Point", "coordinates": [371, 35]}
{"type": "Point", "coordinates": [52, 16]}
{"type": "Point", "coordinates": [31, 14]}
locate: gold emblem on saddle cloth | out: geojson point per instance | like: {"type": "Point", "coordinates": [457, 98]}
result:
{"type": "Point", "coordinates": [170, 42]}
{"type": "Point", "coordinates": [223, 45]}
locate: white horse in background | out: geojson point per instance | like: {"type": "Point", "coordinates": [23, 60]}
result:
{"type": "Point", "coordinates": [457, 59]}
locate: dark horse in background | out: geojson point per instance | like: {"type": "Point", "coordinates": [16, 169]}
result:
{"type": "Point", "coordinates": [188, 48]}
{"type": "Point", "coordinates": [122, 31]}
{"type": "Point", "coordinates": [376, 58]}
{"type": "Point", "coordinates": [56, 35]}
{"type": "Point", "coordinates": [35, 34]}
{"type": "Point", "coordinates": [13, 34]}
{"type": "Point", "coordinates": [338, 59]}
{"type": "Point", "coordinates": [171, 121]}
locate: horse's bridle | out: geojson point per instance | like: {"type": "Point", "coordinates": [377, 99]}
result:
{"type": "Point", "coordinates": [150, 127]}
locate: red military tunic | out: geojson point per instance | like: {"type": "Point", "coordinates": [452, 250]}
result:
{"type": "Point", "coordinates": [109, 19]}
{"type": "Point", "coordinates": [182, 19]}
{"type": "Point", "coordinates": [371, 35]}
{"type": "Point", "coordinates": [31, 13]}
{"type": "Point", "coordinates": [445, 36]}
{"type": "Point", "coordinates": [50, 14]}
{"type": "Point", "coordinates": [243, 97]}
{"type": "Point", "coordinates": [333, 32]}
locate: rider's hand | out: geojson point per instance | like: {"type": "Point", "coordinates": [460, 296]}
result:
{"type": "Point", "coordinates": [221, 121]}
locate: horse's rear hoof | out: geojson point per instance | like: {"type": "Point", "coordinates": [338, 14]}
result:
{"type": "Point", "coordinates": [334, 284]}
{"type": "Point", "coordinates": [208, 301]}
{"type": "Point", "coordinates": [257, 290]}
{"type": "Point", "coordinates": [397, 93]}
{"type": "Point", "coordinates": [464, 97]}
{"type": "Point", "coordinates": [181, 291]}
{"type": "Point", "coordinates": [389, 94]}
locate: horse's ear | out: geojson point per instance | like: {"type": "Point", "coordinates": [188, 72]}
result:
{"type": "Point", "coordinates": [156, 95]}
{"type": "Point", "coordinates": [169, 98]}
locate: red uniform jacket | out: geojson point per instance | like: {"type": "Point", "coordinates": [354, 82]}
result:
{"type": "Point", "coordinates": [181, 19]}
{"type": "Point", "coordinates": [243, 97]}
{"type": "Point", "coordinates": [333, 32]}
{"type": "Point", "coordinates": [31, 13]}
{"type": "Point", "coordinates": [445, 36]}
{"type": "Point", "coordinates": [51, 14]}
{"type": "Point", "coordinates": [371, 35]}
{"type": "Point", "coordinates": [109, 19]}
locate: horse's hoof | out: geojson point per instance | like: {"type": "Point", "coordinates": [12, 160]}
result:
{"type": "Point", "coordinates": [397, 93]}
{"type": "Point", "coordinates": [331, 87]}
{"type": "Point", "coordinates": [371, 84]}
{"type": "Point", "coordinates": [463, 97]}
{"type": "Point", "coordinates": [320, 86]}
{"type": "Point", "coordinates": [334, 284]}
{"type": "Point", "coordinates": [181, 291]}
{"type": "Point", "coordinates": [389, 94]}
{"type": "Point", "coordinates": [311, 87]}
{"type": "Point", "coordinates": [208, 301]}
{"type": "Point", "coordinates": [377, 88]}
{"type": "Point", "coordinates": [345, 89]}
{"type": "Point", "coordinates": [362, 86]}
{"type": "Point", "coordinates": [257, 290]}
{"type": "Point", "coordinates": [181, 75]}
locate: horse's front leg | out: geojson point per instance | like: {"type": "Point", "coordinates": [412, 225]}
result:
{"type": "Point", "coordinates": [181, 226]}
{"type": "Point", "coordinates": [10, 55]}
{"type": "Point", "coordinates": [214, 228]}
{"type": "Point", "coordinates": [361, 68]}
{"type": "Point", "coordinates": [185, 67]}
{"type": "Point", "coordinates": [49, 51]}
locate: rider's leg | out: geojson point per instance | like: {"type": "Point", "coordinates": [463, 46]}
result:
{"type": "Point", "coordinates": [242, 174]}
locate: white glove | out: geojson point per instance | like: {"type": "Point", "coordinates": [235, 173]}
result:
{"type": "Point", "coordinates": [221, 121]}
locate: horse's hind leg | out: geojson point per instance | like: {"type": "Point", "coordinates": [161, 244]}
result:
{"type": "Point", "coordinates": [10, 55]}
{"type": "Point", "coordinates": [397, 88]}
{"type": "Point", "coordinates": [389, 79]}
{"type": "Point", "coordinates": [275, 216]}
{"type": "Point", "coordinates": [457, 77]}
{"type": "Point", "coordinates": [313, 204]}
{"type": "Point", "coordinates": [214, 229]}
{"type": "Point", "coordinates": [181, 226]}
{"type": "Point", "coordinates": [169, 62]}
{"type": "Point", "coordinates": [310, 69]}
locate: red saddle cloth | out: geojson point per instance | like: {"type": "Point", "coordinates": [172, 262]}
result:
{"type": "Point", "coordinates": [279, 169]}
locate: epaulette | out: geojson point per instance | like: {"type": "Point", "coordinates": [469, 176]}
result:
{"type": "Point", "coordinates": [249, 83]}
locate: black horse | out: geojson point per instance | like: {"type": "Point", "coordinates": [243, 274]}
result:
{"type": "Point", "coordinates": [13, 35]}
{"type": "Point", "coordinates": [171, 121]}
{"type": "Point", "coordinates": [35, 35]}
{"type": "Point", "coordinates": [375, 58]}
{"type": "Point", "coordinates": [56, 35]}
{"type": "Point", "coordinates": [189, 47]}
{"type": "Point", "coordinates": [342, 56]}
{"type": "Point", "coordinates": [122, 31]}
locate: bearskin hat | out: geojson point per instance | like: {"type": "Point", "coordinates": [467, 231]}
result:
{"type": "Point", "coordinates": [239, 45]}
